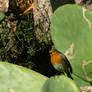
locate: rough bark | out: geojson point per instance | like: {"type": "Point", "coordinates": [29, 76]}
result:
{"type": "Point", "coordinates": [4, 4]}
{"type": "Point", "coordinates": [42, 15]}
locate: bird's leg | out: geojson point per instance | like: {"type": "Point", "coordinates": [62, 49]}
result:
{"type": "Point", "coordinates": [59, 73]}
{"type": "Point", "coordinates": [65, 74]}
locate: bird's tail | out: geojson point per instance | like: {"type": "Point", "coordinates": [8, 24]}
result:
{"type": "Point", "coordinates": [69, 75]}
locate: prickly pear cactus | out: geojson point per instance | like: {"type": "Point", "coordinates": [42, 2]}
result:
{"type": "Point", "coordinates": [15, 78]}
{"type": "Point", "coordinates": [60, 84]}
{"type": "Point", "coordinates": [71, 31]}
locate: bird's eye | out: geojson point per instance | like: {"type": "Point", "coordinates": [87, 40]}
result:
{"type": "Point", "coordinates": [50, 51]}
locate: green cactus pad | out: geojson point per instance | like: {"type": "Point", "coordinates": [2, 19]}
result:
{"type": "Point", "coordinates": [60, 84]}
{"type": "Point", "coordinates": [71, 31]}
{"type": "Point", "coordinates": [80, 82]}
{"type": "Point", "coordinates": [1, 16]}
{"type": "Point", "coordinates": [15, 78]}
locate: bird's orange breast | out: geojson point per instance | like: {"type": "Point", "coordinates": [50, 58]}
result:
{"type": "Point", "coordinates": [56, 58]}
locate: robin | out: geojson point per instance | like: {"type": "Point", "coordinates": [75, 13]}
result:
{"type": "Point", "coordinates": [60, 62]}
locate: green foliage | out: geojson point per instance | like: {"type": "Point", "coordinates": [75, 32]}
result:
{"type": "Point", "coordinates": [60, 84]}
{"type": "Point", "coordinates": [17, 40]}
{"type": "Point", "coordinates": [71, 30]}
{"type": "Point", "coordinates": [15, 78]}
{"type": "Point", "coordinates": [25, 37]}
{"type": "Point", "coordinates": [1, 16]}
